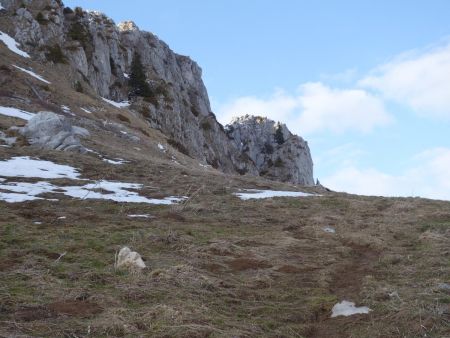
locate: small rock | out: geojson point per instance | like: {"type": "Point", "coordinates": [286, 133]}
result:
{"type": "Point", "coordinates": [330, 230]}
{"type": "Point", "coordinates": [128, 259]}
{"type": "Point", "coordinates": [444, 287]}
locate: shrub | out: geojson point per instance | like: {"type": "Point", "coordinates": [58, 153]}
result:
{"type": "Point", "coordinates": [67, 10]}
{"type": "Point", "coordinates": [177, 145]}
{"type": "Point", "coordinates": [151, 98]}
{"type": "Point", "coordinates": [123, 118]}
{"type": "Point", "coordinates": [138, 79]}
{"type": "Point", "coordinates": [205, 125]}
{"type": "Point", "coordinates": [268, 148]}
{"type": "Point", "coordinates": [78, 87]}
{"type": "Point", "coordinates": [40, 18]}
{"type": "Point", "coordinates": [55, 54]}
{"type": "Point", "coordinates": [79, 11]}
{"type": "Point", "coordinates": [79, 32]}
{"type": "Point", "coordinates": [279, 138]}
{"type": "Point", "coordinates": [279, 162]}
{"type": "Point", "coordinates": [194, 111]}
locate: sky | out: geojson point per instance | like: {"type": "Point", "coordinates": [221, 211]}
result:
{"type": "Point", "coordinates": [366, 83]}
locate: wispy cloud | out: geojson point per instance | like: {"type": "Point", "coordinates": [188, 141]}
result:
{"type": "Point", "coordinates": [315, 107]}
{"type": "Point", "coordinates": [418, 79]}
{"type": "Point", "coordinates": [427, 176]}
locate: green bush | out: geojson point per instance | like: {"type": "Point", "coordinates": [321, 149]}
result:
{"type": "Point", "coordinates": [79, 32]}
{"type": "Point", "coordinates": [67, 10]}
{"type": "Point", "coordinates": [55, 54]}
{"type": "Point", "coordinates": [138, 79]}
{"type": "Point", "coordinates": [78, 87]}
{"type": "Point", "coordinates": [279, 138]}
{"type": "Point", "coordinates": [205, 125]}
{"type": "Point", "coordinates": [40, 18]}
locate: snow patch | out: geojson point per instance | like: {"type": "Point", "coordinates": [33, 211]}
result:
{"type": "Point", "coordinates": [12, 44]}
{"type": "Point", "coordinates": [161, 147]}
{"type": "Point", "coordinates": [86, 111]}
{"type": "Point", "coordinates": [13, 192]}
{"type": "Point", "coordinates": [141, 216]}
{"type": "Point", "coordinates": [257, 194]}
{"type": "Point", "coordinates": [330, 230]}
{"type": "Point", "coordinates": [346, 308]}
{"type": "Point", "coordinates": [27, 167]}
{"type": "Point", "coordinates": [29, 72]}
{"type": "Point", "coordinates": [127, 76]}
{"type": "Point", "coordinates": [116, 161]}
{"type": "Point", "coordinates": [122, 104]}
{"type": "Point", "coordinates": [14, 112]}
{"type": "Point", "coordinates": [1, 7]}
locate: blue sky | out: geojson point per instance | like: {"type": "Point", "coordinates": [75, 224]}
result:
{"type": "Point", "coordinates": [366, 83]}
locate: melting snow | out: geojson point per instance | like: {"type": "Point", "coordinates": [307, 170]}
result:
{"type": "Point", "coordinates": [141, 216]}
{"type": "Point", "coordinates": [161, 147]}
{"type": "Point", "coordinates": [27, 167]}
{"type": "Point", "coordinates": [29, 72]}
{"type": "Point", "coordinates": [127, 76]}
{"type": "Point", "coordinates": [330, 230]}
{"type": "Point", "coordinates": [122, 104]}
{"type": "Point", "coordinates": [12, 44]}
{"type": "Point", "coordinates": [346, 308]}
{"type": "Point", "coordinates": [12, 192]}
{"type": "Point", "coordinates": [86, 111]}
{"type": "Point", "coordinates": [1, 7]}
{"type": "Point", "coordinates": [116, 161]}
{"type": "Point", "coordinates": [256, 194]}
{"type": "Point", "coordinates": [14, 112]}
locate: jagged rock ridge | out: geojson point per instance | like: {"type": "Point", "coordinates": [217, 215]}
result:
{"type": "Point", "coordinates": [276, 152]}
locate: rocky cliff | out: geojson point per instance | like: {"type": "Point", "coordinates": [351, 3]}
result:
{"type": "Point", "coordinates": [99, 57]}
{"type": "Point", "coordinates": [275, 151]}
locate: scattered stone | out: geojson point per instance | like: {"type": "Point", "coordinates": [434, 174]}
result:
{"type": "Point", "coordinates": [127, 259]}
{"type": "Point", "coordinates": [51, 131]}
{"type": "Point", "coordinates": [444, 287]}
{"type": "Point", "coordinates": [330, 230]}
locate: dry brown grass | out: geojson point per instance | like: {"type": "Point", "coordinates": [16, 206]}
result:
{"type": "Point", "coordinates": [217, 266]}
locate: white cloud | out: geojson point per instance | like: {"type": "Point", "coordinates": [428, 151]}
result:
{"type": "Point", "coordinates": [339, 110]}
{"type": "Point", "coordinates": [419, 80]}
{"type": "Point", "coordinates": [314, 108]}
{"type": "Point", "coordinates": [279, 106]}
{"type": "Point", "coordinates": [427, 177]}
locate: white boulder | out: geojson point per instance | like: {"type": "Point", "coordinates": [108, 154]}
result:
{"type": "Point", "coordinates": [127, 259]}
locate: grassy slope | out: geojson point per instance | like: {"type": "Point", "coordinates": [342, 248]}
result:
{"type": "Point", "coordinates": [218, 266]}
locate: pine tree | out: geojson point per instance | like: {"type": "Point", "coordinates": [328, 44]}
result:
{"type": "Point", "coordinates": [279, 138]}
{"type": "Point", "coordinates": [138, 80]}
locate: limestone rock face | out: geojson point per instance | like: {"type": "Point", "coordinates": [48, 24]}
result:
{"type": "Point", "coordinates": [51, 131]}
{"type": "Point", "coordinates": [100, 54]}
{"type": "Point", "coordinates": [276, 152]}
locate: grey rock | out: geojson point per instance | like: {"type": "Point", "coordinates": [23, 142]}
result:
{"type": "Point", "coordinates": [276, 152]}
{"type": "Point", "coordinates": [101, 54]}
{"type": "Point", "coordinates": [51, 131]}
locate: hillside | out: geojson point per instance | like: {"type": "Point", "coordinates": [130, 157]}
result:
{"type": "Point", "coordinates": [219, 261]}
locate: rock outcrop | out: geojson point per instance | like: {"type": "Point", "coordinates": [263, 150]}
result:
{"type": "Point", "coordinates": [275, 151]}
{"type": "Point", "coordinates": [98, 55]}
{"type": "Point", "coordinates": [51, 131]}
